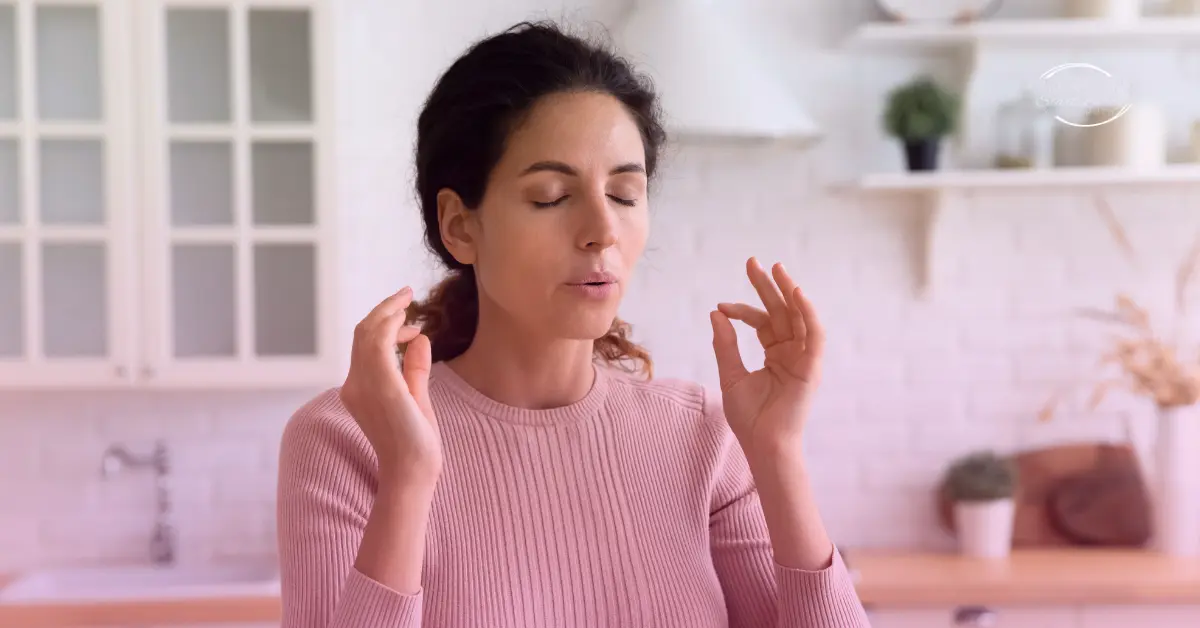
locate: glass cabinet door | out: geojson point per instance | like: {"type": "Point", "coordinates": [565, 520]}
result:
{"type": "Point", "coordinates": [65, 226]}
{"type": "Point", "coordinates": [237, 220]}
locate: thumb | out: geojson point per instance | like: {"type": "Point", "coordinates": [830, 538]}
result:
{"type": "Point", "coordinates": [417, 362]}
{"type": "Point", "coordinates": [730, 368]}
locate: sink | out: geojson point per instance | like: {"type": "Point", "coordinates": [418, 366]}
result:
{"type": "Point", "coordinates": [142, 582]}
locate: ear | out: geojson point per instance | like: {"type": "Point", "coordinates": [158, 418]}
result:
{"type": "Point", "coordinates": [458, 226]}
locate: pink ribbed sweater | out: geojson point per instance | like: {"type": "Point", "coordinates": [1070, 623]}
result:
{"type": "Point", "coordinates": [632, 507]}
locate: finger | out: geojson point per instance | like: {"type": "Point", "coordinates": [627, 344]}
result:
{"type": "Point", "coordinates": [389, 306]}
{"type": "Point", "coordinates": [417, 363]}
{"type": "Point", "coordinates": [796, 314]}
{"type": "Point", "coordinates": [790, 290]}
{"type": "Point", "coordinates": [387, 334]}
{"type": "Point", "coordinates": [814, 332]}
{"type": "Point", "coordinates": [756, 318]}
{"type": "Point", "coordinates": [730, 369]}
{"type": "Point", "coordinates": [771, 298]}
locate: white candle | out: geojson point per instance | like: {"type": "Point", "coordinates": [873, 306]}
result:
{"type": "Point", "coordinates": [1136, 140]}
{"type": "Point", "coordinates": [1118, 10]}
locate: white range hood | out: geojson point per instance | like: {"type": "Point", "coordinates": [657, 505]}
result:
{"type": "Point", "coordinates": [711, 85]}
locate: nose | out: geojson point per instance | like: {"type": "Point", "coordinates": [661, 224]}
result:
{"type": "Point", "coordinates": [600, 224]}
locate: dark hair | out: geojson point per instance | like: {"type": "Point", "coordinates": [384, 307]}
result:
{"type": "Point", "coordinates": [463, 130]}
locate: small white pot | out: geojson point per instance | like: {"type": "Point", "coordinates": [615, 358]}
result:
{"type": "Point", "coordinates": [985, 528]}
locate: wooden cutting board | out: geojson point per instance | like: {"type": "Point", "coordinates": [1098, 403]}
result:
{"type": "Point", "coordinates": [1076, 494]}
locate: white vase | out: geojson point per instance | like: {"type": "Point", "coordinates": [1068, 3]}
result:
{"type": "Point", "coordinates": [1176, 478]}
{"type": "Point", "coordinates": [984, 528]}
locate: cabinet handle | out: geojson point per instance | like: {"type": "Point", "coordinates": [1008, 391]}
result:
{"type": "Point", "coordinates": [121, 372]}
{"type": "Point", "coordinates": [975, 617]}
{"type": "Point", "coordinates": [148, 372]}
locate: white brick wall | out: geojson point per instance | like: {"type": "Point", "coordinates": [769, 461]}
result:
{"type": "Point", "coordinates": [909, 383]}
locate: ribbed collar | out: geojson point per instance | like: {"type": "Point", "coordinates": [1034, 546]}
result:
{"type": "Point", "coordinates": [584, 408]}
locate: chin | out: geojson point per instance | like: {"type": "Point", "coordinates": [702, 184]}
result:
{"type": "Point", "coordinates": [585, 325]}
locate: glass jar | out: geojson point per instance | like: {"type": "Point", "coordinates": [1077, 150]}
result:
{"type": "Point", "coordinates": [1025, 134]}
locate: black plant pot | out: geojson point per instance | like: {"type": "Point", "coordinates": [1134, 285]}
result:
{"type": "Point", "coordinates": [922, 154]}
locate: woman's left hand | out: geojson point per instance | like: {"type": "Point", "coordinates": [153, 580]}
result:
{"type": "Point", "coordinates": [767, 409]}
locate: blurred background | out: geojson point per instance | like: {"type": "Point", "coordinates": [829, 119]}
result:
{"type": "Point", "coordinates": [993, 206]}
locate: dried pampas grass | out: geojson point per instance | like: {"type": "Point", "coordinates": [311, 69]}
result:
{"type": "Point", "coordinates": [1144, 363]}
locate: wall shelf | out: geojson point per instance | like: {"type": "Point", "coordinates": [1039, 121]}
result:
{"type": "Point", "coordinates": [1163, 31]}
{"type": "Point", "coordinates": [941, 192]}
{"type": "Point", "coordinates": [1028, 178]}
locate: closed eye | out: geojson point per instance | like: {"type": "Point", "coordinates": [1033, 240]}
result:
{"type": "Point", "coordinates": [558, 201]}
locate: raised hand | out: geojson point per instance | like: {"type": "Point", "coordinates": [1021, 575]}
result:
{"type": "Point", "coordinates": [767, 408]}
{"type": "Point", "coordinates": [390, 403]}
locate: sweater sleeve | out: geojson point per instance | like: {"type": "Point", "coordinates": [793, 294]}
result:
{"type": "Point", "coordinates": [325, 492]}
{"type": "Point", "coordinates": [758, 590]}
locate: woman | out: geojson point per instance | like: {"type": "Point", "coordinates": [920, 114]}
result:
{"type": "Point", "coordinates": [516, 470]}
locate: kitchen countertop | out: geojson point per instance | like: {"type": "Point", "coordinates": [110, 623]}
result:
{"type": "Point", "coordinates": [189, 611]}
{"type": "Point", "coordinates": [886, 578]}
{"type": "Point", "coordinates": [1029, 577]}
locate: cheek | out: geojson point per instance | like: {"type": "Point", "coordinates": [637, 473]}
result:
{"type": "Point", "coordinates": [516, 251]}
{"type": "Point", "coordinates": [635, 231]}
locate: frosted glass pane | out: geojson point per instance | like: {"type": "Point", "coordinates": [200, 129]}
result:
{"type": "Point", "coordinates": [204, 301]}
{"type": "Point", "coordinates": [198, 65]}
{"type": "Point", "coordinates": [8, 63]}
{"type": "Point", "coordinates": [280, 66]}
{"type": "Point", "coordinates": [201, 183]}
{"type": "Point", "coordinates": [283, 183]}
{"type": "Point", "coordinates": [72, 182]}
{"type": "Point", "coordinates": [12, 302]}
{"type": "Point", "coordinates": [75, 300]}
{"type": "Point", "coordinates": [285, 299]}
{"type": "Point", "coordinates": [10, 182]}
{"type": "Point", "coordinates": [68, 63]}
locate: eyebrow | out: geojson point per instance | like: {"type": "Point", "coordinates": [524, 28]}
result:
{"type": "Point", "coordinates": [558, 166]}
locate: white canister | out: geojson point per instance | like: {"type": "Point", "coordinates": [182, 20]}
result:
{"type": "Point", "coordinates": [1118, 10]}
{"type": "Point", "coordinates": [1185, 7]}
{"type": "Point", "coordinates": [1196, 141]}
{"type": "Point", "coordinates": [1135, 139]}
{"type": "Point", "coordinates": [985, 528]}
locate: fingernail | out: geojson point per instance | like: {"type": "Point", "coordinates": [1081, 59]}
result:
{"type": "Point", "coordinates": [405, 289]}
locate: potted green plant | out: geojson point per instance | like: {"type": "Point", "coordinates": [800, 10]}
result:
{"type": "Point", "coordinates": [982, 486]}
{"type": "Point", "coordinates": [919, 114]}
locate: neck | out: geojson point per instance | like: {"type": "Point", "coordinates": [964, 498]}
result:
{"type": "Point", "coordinates": [520, 368]}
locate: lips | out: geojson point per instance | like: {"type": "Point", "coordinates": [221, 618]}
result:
{"type": "Point", "coordinates": [594, 278]}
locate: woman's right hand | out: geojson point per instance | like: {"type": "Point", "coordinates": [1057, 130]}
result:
{"type": "Point", "coordinates": [390, 403]}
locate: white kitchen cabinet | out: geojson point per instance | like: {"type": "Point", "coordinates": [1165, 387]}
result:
{"type": "Point", "coordinates": [165, 212]}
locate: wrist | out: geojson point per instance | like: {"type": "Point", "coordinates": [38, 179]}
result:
{"type": "Point", "coordinates": [774, 452]}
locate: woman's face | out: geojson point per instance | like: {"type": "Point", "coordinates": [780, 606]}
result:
{"type": "Point", "coordinates": [564, 219]}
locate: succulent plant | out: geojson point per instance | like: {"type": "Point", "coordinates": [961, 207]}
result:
{"type": "Point", "coordinates": [980, 476]}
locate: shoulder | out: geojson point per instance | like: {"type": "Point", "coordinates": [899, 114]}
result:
{"type": "Point", "coordinates": [672, 399]}
{"type": "Point", "coordinates": [322, 436]}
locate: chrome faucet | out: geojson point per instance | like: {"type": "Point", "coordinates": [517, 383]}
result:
{"type": "Point", "coordinates": [118, 457]}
